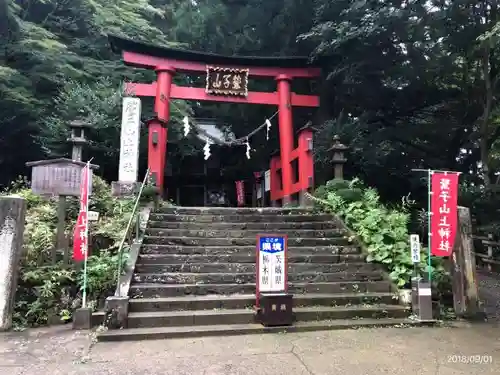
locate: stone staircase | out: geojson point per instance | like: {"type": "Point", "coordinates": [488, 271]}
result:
{"type": "Point", "coordinates": [195, 275]}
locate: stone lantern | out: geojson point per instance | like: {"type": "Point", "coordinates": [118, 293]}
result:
{"type": "Point", "coordinates": [338, 158]}
{"type": "Point", "coordinates": [78, 138]}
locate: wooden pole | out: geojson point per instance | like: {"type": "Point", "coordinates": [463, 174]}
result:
{"type": "Point", "coordinates": [490, 251]}
{"type": "Point", "coordinates": [61, 223]}
{"type": "Point", "coordinates": [66, 254]}
{"type": "Point", "coordinates": [464, 278]}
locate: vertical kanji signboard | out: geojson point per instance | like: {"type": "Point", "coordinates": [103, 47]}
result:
{"type": "Point", "coordinates": [443, 212]}
{"type": "Point", "coordinates": [272, 263]}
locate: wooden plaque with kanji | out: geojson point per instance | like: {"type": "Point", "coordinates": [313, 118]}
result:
{"type": "Point", "coordinates": [227, 81]}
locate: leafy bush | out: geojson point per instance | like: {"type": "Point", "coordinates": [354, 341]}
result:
{"type": "Point", "coordinates": [48, 292]}
{"type": "Point", "coordinates": [383, 230]}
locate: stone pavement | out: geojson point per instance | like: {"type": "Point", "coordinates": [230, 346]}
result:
{"type": "Point", "coordinates": [466, 349]}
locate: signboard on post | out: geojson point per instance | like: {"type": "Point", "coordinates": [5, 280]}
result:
{"type": "Point", "coordinates": [443, 221]}
{"type": "Point", "coordinates": [58, 176]}
{"type": "Point", "coordinates": [267, 180]}
{"type": "Point", "coordinates": [93, 216]}
{"type": "Point", "coordinates": [415, 248]}
{"type": "Point", "coordinates": [272, 272]}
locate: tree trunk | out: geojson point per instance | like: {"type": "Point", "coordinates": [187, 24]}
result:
{"type": "Point", "coordinates": [485, 118]}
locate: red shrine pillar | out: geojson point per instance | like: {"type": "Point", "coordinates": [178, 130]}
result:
{"type": "Point", "coordinates": [157, 139]}
{"type": "Point", "coordinates": [286, 134]}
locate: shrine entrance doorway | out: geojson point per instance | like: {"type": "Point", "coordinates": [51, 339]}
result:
{"type": "Point", "coordinates": [227, 80]}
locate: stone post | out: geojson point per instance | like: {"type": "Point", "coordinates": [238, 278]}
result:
{"type": "Point", "coordinates": [464, 278]}
{"type": "Point", "coordinates": [12, 213]}
{"type": "Point", "coordinates": [127, 185]}
{"type": "Point", "coordinates": [338, 158]}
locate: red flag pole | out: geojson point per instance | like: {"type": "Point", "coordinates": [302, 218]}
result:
{"type": "Point", "coordinates": [84, 297]}
{"type": "Point", "coordinates": [80, 234]}
{"type": "Point", "coordinates": [430, 172]}
{"type": "Point", "coordinates": [429, 219]}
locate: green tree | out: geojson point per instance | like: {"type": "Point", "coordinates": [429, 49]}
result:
{"type": "Point", "coordinates": [47, 43]}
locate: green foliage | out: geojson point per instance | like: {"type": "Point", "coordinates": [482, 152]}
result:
{"type": "Point", "coordinates": [47, 44]}
{"type": "Point", "coordinates": [381, 229]}
{"type": "Point", "coordinates": [42, 293]}
{"type": "Point", "coordinates": [46, 293]}
{"type": "Point", "coordinates": [404, 81]}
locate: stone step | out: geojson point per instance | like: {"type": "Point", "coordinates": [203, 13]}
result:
{"type": "Point", "coordinates": [262, 227]}
{"type": "Point", "coordinates": [245, 258]}
{"type": "Point", "coordinates": [255, 218]}
{"type": "Point", "coordinates": [245, 233]}
{"type": "Point", "coordinates": [154, 240]}
{"type": "Point", "coordinates": [244, 329]}
{"type": "Point", "coordinates": [250, 267]}
{"type": "Point", "coordinates": [152, 319]}
{"type": "Point", "coordinates": [242, 211]}
{"type": "Point", "coordinates": [244, 250]}
{"type": "Point", "coordinates": [175, 290]}
{"type": "Point", "coordinates": [242, 301]}
{"type": "Point", "coordinates": [243, 278]}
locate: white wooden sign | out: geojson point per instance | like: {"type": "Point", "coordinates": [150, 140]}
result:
{"type": "Point", "coordinates": [267, 180]}
{"type": "Point", "coordinates": [415, 248]}
{"type": "Point", "coordinates": [92, 216]}
{"type": "Point", "coordinates": [129, 140]}
{"type": "Point", "coordinates": [272, 264]}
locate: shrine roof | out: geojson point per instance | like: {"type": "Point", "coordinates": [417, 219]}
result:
{"type": "Point", "coordinates": [39, 163]}
{"type": "Point", "coordinates": [121, 44]}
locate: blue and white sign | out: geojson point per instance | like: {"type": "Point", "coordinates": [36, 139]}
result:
{"type": "Point", "coordinates": [271, 276]}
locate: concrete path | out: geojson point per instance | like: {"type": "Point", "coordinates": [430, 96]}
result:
{"type": "Point", "coordinates": [467, 350]}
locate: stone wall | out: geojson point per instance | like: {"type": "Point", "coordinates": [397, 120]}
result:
{"type": "Point", "coordinates": [12, 214]}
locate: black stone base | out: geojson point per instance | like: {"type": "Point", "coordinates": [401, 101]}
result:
{"type": "Point", "coordinates": [275, 310]}
{"type": "Point", "coordinates": [124, 189]}
{"type": "Point", "coordinates": [116, 312]}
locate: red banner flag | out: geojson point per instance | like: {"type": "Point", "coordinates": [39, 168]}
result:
{"type": "Point", "coordinates": [240, 193]}
{"type": "Point", "coordinates": [80, 244]}
{"type": "Point", "coordinates": [443, 212]}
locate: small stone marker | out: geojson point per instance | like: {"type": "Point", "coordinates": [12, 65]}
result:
{"type": "Point", "coordinates": [82, 318]}
{"type": "Point", "coordinates": [12, 213]}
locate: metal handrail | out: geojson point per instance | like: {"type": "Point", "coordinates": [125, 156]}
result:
{"type": "Point", "coordinates": [129, 226]}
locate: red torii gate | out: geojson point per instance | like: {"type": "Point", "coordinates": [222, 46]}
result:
{"type": "Point", "coordinates": [167, 61]}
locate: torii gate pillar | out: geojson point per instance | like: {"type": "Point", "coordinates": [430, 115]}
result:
{"type": "Point", "coordinates": [285, 134]}
{"type": "Point", "coordinates": [157, 137]}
